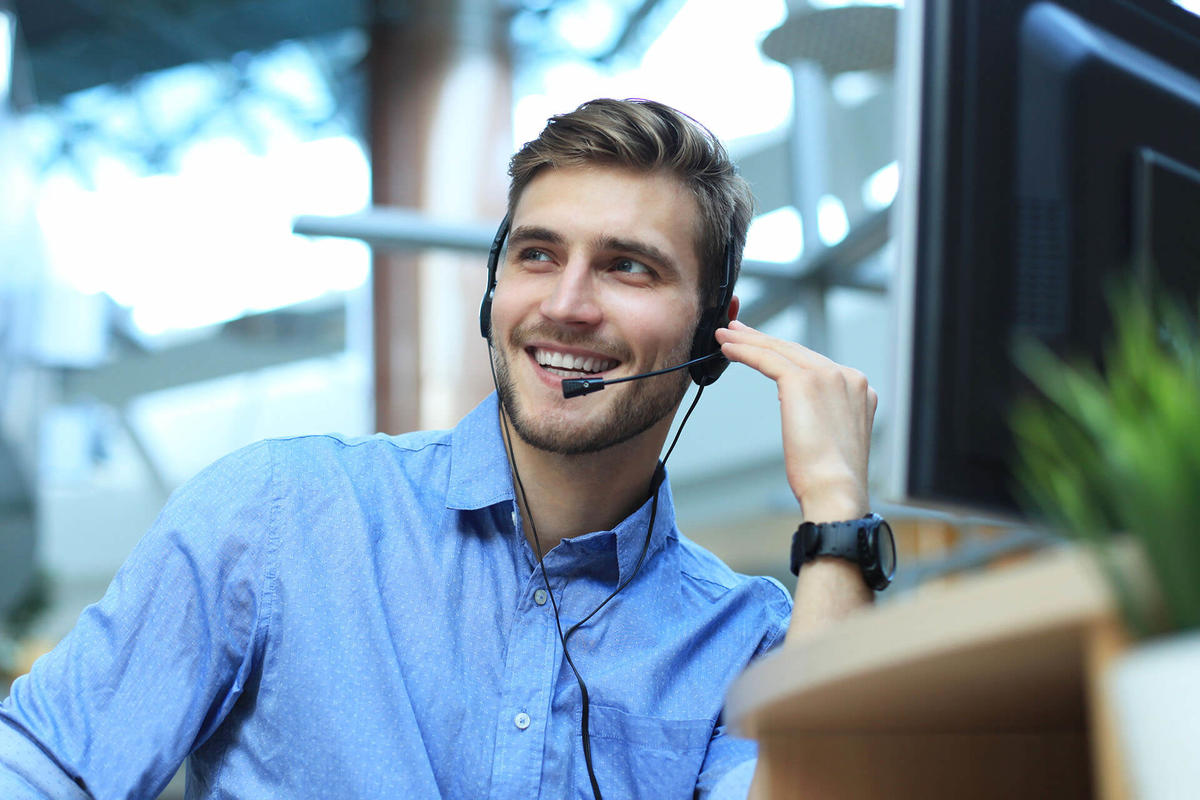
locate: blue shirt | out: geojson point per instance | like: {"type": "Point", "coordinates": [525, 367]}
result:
{"type": "Point", "coordinates": [318, 617]}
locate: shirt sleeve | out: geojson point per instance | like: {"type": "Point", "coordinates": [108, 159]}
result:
{"type": "Point", "coordinates": [728, 767]}
{"type": "Point", "coordinates": [731, 760]}
{"type": "Point", "coordinates": [149, 672]}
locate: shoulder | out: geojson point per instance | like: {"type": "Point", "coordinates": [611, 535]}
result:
{"type": "Point", "coordinates": [296, 456]}
{"type": "Point", "coordinates": [266, 469]}
{"type": "Point", "coordinates": [355, 446]}
{"type": "Point", "coordinates": [709, 578]}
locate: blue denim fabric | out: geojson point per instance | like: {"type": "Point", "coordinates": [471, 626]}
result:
{"type": "Point", "coordinates": [326, 618]}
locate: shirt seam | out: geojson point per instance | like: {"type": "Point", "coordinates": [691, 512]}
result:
{"type": "Point", "coordinates": [780, 631]}
{"type": "Point", "coordinates": [779, 628]}
{"type": "Point", "coordinates": [728, 587]}
{"type": "Point", "coordinates": [709, 581]}
{"type": "Point", "coordinates": [390, 441]}
{"type": "Point", "coordinates": [787, 598]}
{"type": "Point", "coordinates": [262, 625]}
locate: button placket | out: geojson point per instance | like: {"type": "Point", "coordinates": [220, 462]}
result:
{"type": "Point", "coordinates": [530, 666]}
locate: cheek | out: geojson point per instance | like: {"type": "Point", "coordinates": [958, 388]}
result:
{"type": "Point", "coordinates": [671, 328]}
{"type": "Point", "coordinates": [505, 308]}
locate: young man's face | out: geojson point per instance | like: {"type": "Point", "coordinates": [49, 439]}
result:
{"type": "Point", "coordinates": [600, 277]}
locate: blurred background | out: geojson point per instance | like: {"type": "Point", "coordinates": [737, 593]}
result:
{"type": "Point", "coordinates": [223, 220]}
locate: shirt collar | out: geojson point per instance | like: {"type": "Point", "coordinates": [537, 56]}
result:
{"type": "Point", "coordinates": [479, 473]}
{"type": "Point", "coordinates": [480, 477]}
{"type": "Point", "coordinates": [631, 531]}
{"type": "Point", "coordinates": [623, 544]}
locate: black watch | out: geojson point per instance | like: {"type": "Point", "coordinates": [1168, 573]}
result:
{"type": "Point", "coordinates": [867, 542]}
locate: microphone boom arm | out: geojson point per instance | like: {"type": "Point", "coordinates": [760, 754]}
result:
{"type": "Point", "coordinates": [574, 387]}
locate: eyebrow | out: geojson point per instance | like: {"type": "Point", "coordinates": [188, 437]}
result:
{"type": "Point", "coordinates": [535, 233]}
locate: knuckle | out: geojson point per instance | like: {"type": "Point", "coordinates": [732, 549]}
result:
{"type": "Point", "coordinates": [855, 379]}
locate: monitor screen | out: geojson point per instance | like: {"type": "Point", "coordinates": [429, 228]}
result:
{"type": "Point", "coordinates": [1047, 147]}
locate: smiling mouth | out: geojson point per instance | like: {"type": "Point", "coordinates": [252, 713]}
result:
{"type": "Point", "coordinates": [566, 365]}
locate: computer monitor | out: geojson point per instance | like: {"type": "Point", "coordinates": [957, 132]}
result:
{"type": "Point", "coordinates": [1046, 148]}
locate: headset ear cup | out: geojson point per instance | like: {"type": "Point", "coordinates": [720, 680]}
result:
{"type": "Point", "coordinates": [493, 263]}
{"type": "Point", "coordinates": [705, 343]}
{"type": "Point", "coordinates": [485, 312]}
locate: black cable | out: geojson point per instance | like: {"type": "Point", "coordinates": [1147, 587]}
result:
{"type": "Point", "coordinates": [691, 408]}
{"type": "Point", "coordinates": [587, 745]}
{"type": "Point", "coordinates": [655, 487]}
{"type": "Point", "coordinates": [537, 543]}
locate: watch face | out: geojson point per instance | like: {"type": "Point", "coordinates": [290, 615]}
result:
{"type": "Point", "coordinates": [885, 544]}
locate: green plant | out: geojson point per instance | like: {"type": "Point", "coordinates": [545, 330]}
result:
{"type": "Point", "coordinates": [1119, 450]}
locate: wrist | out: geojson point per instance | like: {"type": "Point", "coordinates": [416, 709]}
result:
{"type": "Point", "coordinates": [833, 499]}
{"type": "Point", "coordinates": [827, 590]}
{"type": "Point", "coordinates": [830, 573]}
{"type": "Point", "coordinates": [836, 506]}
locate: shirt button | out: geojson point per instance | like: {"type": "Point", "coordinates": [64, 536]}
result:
{"type": "Point", "coordinates": [521, 720]}
{"type": "Point", "coordinates": [539, 597]}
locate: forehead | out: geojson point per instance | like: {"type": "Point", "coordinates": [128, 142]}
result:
{"type": "Point", "coordinates": [586, 203]}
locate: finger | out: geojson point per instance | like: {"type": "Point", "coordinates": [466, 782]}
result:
{"type": "Point", "coordinates": [793, 351]}
{"type": "Point", "coordinates": [764, 359]}
{"type": "Point", "coordinates": [779, 364]}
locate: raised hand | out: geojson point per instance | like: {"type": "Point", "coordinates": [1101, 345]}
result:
{"type": "Point", "coordinates": [827, 412]}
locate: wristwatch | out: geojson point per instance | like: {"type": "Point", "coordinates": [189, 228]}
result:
{"type": "Point", "coordinates": [867, 542]}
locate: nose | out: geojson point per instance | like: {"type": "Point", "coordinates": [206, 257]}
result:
{"type": "Point", "coordinates": [572, 299]}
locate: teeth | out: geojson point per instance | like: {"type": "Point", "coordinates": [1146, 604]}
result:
{"type": "Point", "coordinates": [590, 364]}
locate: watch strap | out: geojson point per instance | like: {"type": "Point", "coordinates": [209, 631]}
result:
{"type": "Point", "coordinates": [838, 539]}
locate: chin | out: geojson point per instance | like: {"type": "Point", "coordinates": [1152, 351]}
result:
{"type": "Point", "coordinates": [616, 419]}
{"type": "Point", "coordinates": [590, 424]}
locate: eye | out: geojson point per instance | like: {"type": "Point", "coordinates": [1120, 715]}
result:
{"type": "Point", "coordinates": [631, 267]}
{"type": "Point", "coordinates": [534, 254]}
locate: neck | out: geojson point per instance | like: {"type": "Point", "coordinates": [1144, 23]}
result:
{"type": "Point", "coordinates": [573, 495]}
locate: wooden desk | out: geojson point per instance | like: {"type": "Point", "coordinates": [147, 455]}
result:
{"type": "Point", "coordinates": [986, 688]}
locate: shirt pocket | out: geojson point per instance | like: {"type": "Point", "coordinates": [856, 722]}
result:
{"type": "Point", "coordinates": [636, 756]}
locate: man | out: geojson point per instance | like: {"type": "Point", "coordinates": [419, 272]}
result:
{"type": "Point", "coordinates": [315, 617]}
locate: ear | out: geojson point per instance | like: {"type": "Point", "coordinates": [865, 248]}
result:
{"type": "Point", "coordinates": [734, 305]}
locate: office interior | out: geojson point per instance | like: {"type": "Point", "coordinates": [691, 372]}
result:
{"type": "Point", "coordinates": [226, 220]}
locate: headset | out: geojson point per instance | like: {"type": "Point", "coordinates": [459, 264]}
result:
{"type": "Point", "coordinates": [705, 364]}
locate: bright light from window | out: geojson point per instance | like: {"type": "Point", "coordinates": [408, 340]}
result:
{"type": "Point", "coordinates": [776, 236]}
{"type": "Point", "coordinates": [214, 241]}
{"type": "Point", "coordinates": [706, 63]}
{"type": "Point", "coordinates": [832, 223]}
{"type": "Point", "coordinates": [879, 189]}
{"type": "Point", "coordinates": [586, 26]}
{"type": "Point", "coordinates": [1191, 5]}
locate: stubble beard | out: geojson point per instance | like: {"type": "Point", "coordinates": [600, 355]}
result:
{"type": "Point", "coordinates": [637, 407]}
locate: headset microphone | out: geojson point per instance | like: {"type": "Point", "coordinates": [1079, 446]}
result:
{"type": "Point", "coordinates": [574, 387]}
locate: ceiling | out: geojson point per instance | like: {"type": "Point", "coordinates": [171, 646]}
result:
{"type": "Point", "coordinates": [77, 44]}
{"type": "Point", "coordinates": [70, 45]}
